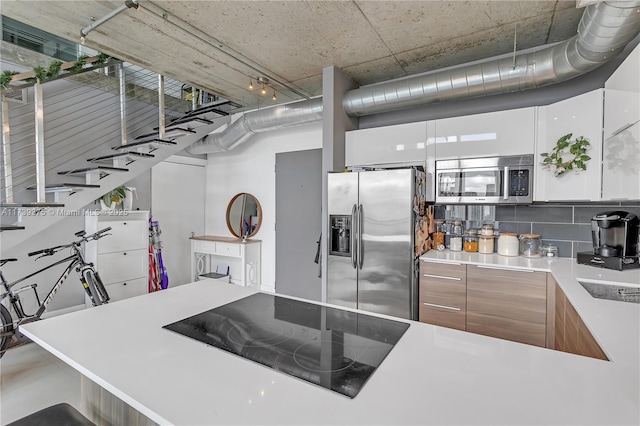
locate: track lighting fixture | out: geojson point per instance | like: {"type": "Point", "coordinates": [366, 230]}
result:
{"type": "Point", "coordinates": [266, 84]}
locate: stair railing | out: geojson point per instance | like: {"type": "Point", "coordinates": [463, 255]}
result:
{"type": "Point", "coordinates": [64, 120]}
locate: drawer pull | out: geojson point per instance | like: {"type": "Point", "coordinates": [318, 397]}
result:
{"type": "Point", "coordinates": [443, 263]}
{"type": "Point", "coordinates": [442, 277]}
{"type": "Point", "coordinates": [505, 269]}
{"type": "Point", "coordinates": [451, 308]}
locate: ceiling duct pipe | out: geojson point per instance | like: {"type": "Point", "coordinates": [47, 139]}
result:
{"type": "Point", "coordinates": [604, 30]}
{"type": "Point", "coordinates": [277, 117]}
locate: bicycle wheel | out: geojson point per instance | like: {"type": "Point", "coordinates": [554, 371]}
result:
{"type": "Point", "coordinates": [6, 330]}
{"type": "Point", "coordinates": [94, 284]}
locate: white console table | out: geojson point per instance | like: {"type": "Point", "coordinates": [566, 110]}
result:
{"type": "Point", "coordinates": [242, 257]}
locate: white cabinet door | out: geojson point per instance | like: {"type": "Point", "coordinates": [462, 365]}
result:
{"type": "Point", "coordinates": [621, 146]}
{"type": "Point", "coordinates": [125, 289]}
{"type": "Point", "coordinates": [581, 116]}
{"type": "Point", "coordinates": [621, 165]}
{"type": "Point", "coordinates": [398, 144]}
{"type": "Point", "coordinates": [129, 234]}
{"type": "Point", "coordinates": [491, 134]}
{"type": "Point", "coordinates": [123, 265]}
{"type": "Point", "coordinates": [627, 76]}
{"type": "Point", "coordinates": [621, 111]}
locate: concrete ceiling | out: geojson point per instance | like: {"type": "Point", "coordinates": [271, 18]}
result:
{"type": "Point", "coordinates": [219, 45]}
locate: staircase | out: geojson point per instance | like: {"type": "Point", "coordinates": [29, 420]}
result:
{"type": "Point", "coordinates": [69, 141]}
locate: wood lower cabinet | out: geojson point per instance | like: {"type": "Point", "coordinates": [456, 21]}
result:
{"type": "Point", "coordinates": [443, 294]}
{"type": "Point", "coordinates": [570, 332]}
{"type": "Point", "coordinates": [507, 303]}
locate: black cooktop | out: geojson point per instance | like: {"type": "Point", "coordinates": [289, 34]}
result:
{"type": "Point", "coordinates": [332, 348]}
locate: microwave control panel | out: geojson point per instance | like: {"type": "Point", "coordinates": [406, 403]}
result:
{"type": "Point", "coordinates": [519, 183]}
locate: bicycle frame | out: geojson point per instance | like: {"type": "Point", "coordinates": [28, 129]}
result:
{"type": "Point", "coordinates": [77, 261]}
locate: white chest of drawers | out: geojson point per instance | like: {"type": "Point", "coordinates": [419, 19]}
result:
{"type": "Point", "coordinates": [122, 258]}
{"type": "Point", "coordinates": [242, 257]}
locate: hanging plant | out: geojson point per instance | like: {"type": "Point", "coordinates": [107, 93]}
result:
{"type": "Point", "coordinates": [102, 58]}
{"type": "Point", "coordinates": [79, 65]}
{"type": "Point", "coordinates": [567, 155]}
{"type": "Point", "coordinates": [54, 69]}
{"type": "Point", "coordinates": [41, 73]}
{"type": "Point", "coordinates": [5, 78]}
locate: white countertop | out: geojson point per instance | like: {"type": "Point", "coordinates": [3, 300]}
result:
{"type": "Point", "coordinates": [434, 375]}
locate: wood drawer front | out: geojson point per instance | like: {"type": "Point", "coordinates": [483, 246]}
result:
{"type": "Point", "coordinates": [125, 289]}
{"type": "Point", "coordinates": [125, 235]}
{"type": "Point", "coordinates": [450, 270]}
{"type": "Point", "coordinates": [122, 266]}
{"type": "Point", "coordinates": [559, 319]}
{"type": "Point", "coordinates": [444, 292]}
{"type": "Point", "coordinates": [507, 304]}
{"type": "Point", "coordinates": [444, 316]}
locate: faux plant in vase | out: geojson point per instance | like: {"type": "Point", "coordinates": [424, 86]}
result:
{"type": "Point", "coordinates": [567, 155]}
{"type": "Point", "coordinates": [113, 197]}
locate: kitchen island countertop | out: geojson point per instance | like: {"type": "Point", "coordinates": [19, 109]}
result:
{"type": "Point", "coordinates": [434, 375]}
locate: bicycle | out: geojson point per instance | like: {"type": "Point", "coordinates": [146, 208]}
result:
{"type": "Point", "coordinates": [91, 282]}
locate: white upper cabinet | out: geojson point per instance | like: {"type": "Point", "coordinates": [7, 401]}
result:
{"type": "Point", "coordinates": [389, 145]}
{"type": "Point", "coordinates": [490, 134]}
{"type": "Point", "coordinates": [580, 116]}
{"type": "Point", "coordinates": [621, 146]}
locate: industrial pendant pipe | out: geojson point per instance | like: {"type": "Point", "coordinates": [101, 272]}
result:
{"type": "Point", "coordinates": [128, 4]}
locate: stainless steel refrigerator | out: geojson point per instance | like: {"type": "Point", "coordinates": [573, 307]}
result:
{"type": "Point", "coordinates": [376, 224]}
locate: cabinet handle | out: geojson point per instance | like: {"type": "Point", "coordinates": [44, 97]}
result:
{"type": "Point", "coordinates": [443, 263]}
{"type": "Point", "coordinates": [124, 283]}
{"type": "Point", "coordinates": [442, 277]}
{"type": "Point", "coordinates": [505, 269]}
{"type": "Point", "coordinates": [621, 129]}
{"type": "Point", "coordinates": [451, 308]}
{"type": "Point", "coordinates": [124, 254]}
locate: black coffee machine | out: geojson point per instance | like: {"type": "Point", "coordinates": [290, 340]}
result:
{"type": "Point", "coordinates": [615, 241]}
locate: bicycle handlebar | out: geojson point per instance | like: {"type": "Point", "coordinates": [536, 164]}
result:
{"type": "Point", "coordinates": [52, 250]}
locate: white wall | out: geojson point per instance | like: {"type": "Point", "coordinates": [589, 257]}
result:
{"type": "Point", "coordinates": [251, 168]}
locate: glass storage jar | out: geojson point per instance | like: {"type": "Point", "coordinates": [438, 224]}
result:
{"type": "Point", "coordinates": [438, 235]}
{"type": "Point", "coordinates": [487, 229]}
{"type": "Point", "coordinates": [530, 245]}
{"type": "Point", "coordinates": [485, 244]}
{"type": "Point", "coordinates": [455, 240]}
{"type": "Point", "coordinates": [470, 241]}
{"type": "Point", "coordinates": [549, 251]}
{"type": "Point", "coordinates": [508, 244]}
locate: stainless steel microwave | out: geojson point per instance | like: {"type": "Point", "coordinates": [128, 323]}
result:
{"type": "Point", "coordinates": [487, 180]}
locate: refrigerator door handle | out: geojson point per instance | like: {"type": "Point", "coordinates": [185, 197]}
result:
{"type": "Point", "coordinates": [353, 237]}
{"type": "Point", "coordinates": [360, 226]}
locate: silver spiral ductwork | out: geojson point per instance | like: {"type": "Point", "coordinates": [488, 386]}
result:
{"type": "Point", "coordinates": [604, 30]}
{"type": "Point", "coordinates": [264, 120]}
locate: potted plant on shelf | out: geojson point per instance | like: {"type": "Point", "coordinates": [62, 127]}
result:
{"type": "Point", "coordinates": [567, 155]}
{"type": "Point", "coordinates": [111, 199]}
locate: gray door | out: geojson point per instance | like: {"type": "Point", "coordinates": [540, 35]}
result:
{"type": "Point", "coordinates": [298, 223]}
{"type": "Point", "coordinates": [386, 229]}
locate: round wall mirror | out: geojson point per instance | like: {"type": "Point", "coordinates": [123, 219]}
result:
{"type": "Point", "coordinates": [244, 215]}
